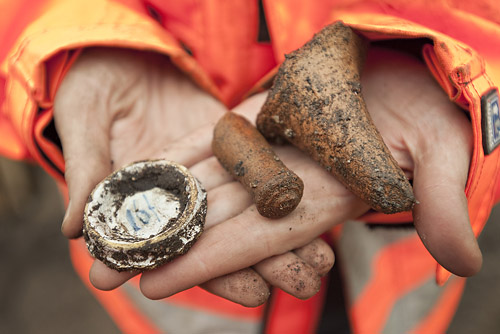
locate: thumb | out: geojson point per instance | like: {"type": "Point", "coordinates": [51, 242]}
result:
{"type": "Point", "coordinates": [441, 218]}
{"type": "Point", "coordinates": [85, 143]}
{"type": "Point", "coordinates": [85, 168]}
{"type": "Point", "coordinates": [88, 161]}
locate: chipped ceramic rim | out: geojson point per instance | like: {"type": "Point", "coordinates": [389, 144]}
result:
{"type": "Point", "coordinates": [144, 215]}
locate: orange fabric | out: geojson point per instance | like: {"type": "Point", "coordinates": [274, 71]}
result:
{"type": "Point", "coordinates": [127, 317]}
{"type": "Point", "coordinates": [441, 315]}
{"type": "Point", "coordinates": [199, 299]}
{"type": "Point", "coordinates": [295, 316]}
{"type": "Point", "coordinates": [14, 16]}
{"type": "Point", "coordinates": [396, 275]}
{"type": "Point", "coordinates": [11, 145]}
{"type": "Point", "coordinates": [215, 43]}
{"type": "Point", "coordinates": [194, 298]}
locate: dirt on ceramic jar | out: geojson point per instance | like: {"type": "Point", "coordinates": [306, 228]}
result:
{"type": "Point", "coordinates": [144, 215]}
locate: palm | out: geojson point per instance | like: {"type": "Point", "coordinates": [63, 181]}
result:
{"type": "Point", "coordinates": [426, 133]}
{"type": "Point", "coordinates": [432, 140]}
{"type": "Point", "coordinates": [159, 106]}
{"type": "Point", "coordinates": [152, 111]}
{"type": "Point", "coordinates": [404, 102]}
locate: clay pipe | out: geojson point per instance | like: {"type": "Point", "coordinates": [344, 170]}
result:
{"type": "Point", "coordinates": [316, 104]}
{"type": "Point", "coordinates": [249, 158]}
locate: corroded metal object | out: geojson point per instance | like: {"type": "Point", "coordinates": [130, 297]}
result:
{"type": "Point", "coordinates": [245, 154]}
{"type": "Point", "coordinates": [144, 215]}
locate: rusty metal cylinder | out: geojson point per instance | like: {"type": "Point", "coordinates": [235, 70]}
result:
{"type": "Point", "coordinates": [249, 158]}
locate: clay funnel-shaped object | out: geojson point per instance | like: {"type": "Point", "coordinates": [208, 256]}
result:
{"type": "Point", "coordinates": [317, 105]}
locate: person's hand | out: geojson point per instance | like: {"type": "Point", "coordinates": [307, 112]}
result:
{"type": "Point", "coordinates": [431, 138]}
{"type": "Point", "coordinates": [238, 237]}
{"type": "Point", "coordinates": [118, 106]}
{"type": "Point", "coordinates": [428, 135]}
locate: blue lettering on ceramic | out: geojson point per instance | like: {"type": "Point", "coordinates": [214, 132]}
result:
{"type": "Point", "coordinates": [131, 220]}
{"type": "Point", "coordinates": [141, 215]}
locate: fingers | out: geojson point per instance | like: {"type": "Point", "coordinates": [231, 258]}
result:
{"type": "Point", "coordinates": [441, 217]}
{"type": "Point", "coordinates": [190, 149]}
{"type": "Point", "coordinates": [245, 287]}
{"type": "Point", "coordinates": [291, 274]}
{"type": "Point", "coordinates": [442, 221]}
{"type": "Point", "coordinates": [86, 166]}
{"type": "Point", "coordinates": [210, 173]}
{"type": "Point", "coordinates": [318, 255]}
{"type": "Point", "coordinates": [226, 202]}
{"type": "Point", "coordinates": [243, 241]}
{"type": "Point", "coordinates": [84, 134]}
{"type": "Point", "coordinates": [437, 136]}
{"type": "Point", "coordinates": [299, 272]}
{"type": "Point", "coordinates": [106, 279]}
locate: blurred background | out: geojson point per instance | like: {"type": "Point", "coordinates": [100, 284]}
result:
{"type": "Point", "coordinates": [40, 293]}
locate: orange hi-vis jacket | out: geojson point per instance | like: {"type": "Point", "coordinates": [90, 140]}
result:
{"type": "Point", "coordinates": [217, 44]}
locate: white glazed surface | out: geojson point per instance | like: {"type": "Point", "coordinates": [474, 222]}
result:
{"type": "Point", "coordinates": [145, 214]}
{"type": "Point", "coordinates": [142, 216]}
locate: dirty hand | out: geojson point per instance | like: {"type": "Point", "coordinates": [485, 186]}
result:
{"type": "Point", "coordinates": [115, 107]}
{"type": "Point", "coordinates": [431, 138]}
{"type": "Point", "coordinates": [428, 135]}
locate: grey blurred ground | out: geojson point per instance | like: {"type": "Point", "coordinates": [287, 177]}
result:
{"type": "Point", "coordinates": [40, 293]}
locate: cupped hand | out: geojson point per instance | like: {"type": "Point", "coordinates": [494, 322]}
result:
{"type": "Point", "coordinates": [428, 135]}
{"type": "Point", "coordinates": [102, 129]}
{"type": "Point", "coordinates": [431, 138]}
{"type": "Point", "coordinates": [118, 106]}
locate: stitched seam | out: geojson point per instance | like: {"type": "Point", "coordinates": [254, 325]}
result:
{"type": "Point", "coordinates": [479, 171]}
{"type": "Point", "coordinates": [488, 79]}
{"type": "Point", "coordinates": [27, 40]}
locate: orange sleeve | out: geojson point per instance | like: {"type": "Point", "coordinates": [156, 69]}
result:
{"type": "Point", "coordinates": [35, 64]}
{"type": "Point", "coordinates": [14, 16]}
